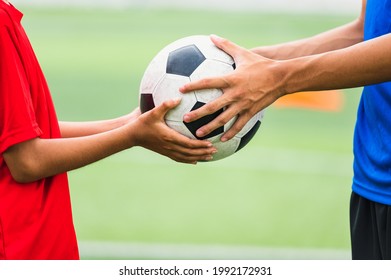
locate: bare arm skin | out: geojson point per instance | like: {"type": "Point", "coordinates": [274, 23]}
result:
{"type": "Point", "coordinates": [331, 60]}
{"type": "Point", "coordinates": [39, 158]}
{"type": "Point", "coordinates": [77, 129]}
{"type": "Point", "coordinates": [338, 38]}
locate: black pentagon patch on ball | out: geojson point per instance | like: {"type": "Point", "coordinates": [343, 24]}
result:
{"type": "Point", "coordinates": [184, 61]}
{"type": "Point", "coordinates": [194, 126]}
{"type": "Point", "coordinates": [249, 135]}
{"type": "Point", "coordinates": [146, 102]}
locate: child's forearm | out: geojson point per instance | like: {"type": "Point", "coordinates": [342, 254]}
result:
{"type": "Point", "coordinates": [78, 129]}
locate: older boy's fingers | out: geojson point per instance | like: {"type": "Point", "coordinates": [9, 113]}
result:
{"type": "Point", "coordinates": [235, 128]}
{"type": "Point", "coordinates": [207, 109]}
{"type": "Point", "coordinates": [217, 122]}
{"type": "Point", "coordinates": [206, 83]}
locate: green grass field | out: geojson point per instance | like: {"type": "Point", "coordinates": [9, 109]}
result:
{"type": "Point", "coordinates": [289, 188]}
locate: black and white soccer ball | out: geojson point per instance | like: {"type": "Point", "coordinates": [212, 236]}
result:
{"type": "Point", "coordinates": [185, 60]}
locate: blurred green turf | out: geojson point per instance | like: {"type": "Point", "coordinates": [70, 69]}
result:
{"type": "Point", "coordinates": [288, 188]}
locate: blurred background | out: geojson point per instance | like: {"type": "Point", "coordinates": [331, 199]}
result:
{"type": "Point", "coordinates": [284, 196]}
{"type": "Point", "coordinates": [330, 6]}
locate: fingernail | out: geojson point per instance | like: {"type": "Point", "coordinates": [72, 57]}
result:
{"type": "Point", "coordinates": [223, 139]}
{"type": "Point", "coordinates": [209, 158]}
{"type": "Point", "coordinates": [200, 133]}
{"type": "Point", "coordinates": [215, 36]}
{"type": "Point", "coordinates": [186, 118]}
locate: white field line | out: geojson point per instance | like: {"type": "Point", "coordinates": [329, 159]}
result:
{"type": "Point", "coordinates": [117, 250]}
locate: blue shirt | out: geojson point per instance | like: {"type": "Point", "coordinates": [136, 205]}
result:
{"type": "Point", "coordinates": [372, 136]}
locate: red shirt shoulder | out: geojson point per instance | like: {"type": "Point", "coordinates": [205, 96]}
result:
{"type": "Point", "coordinates": [4, 18]}
{"type": "Point", "coordinates": [35, 218]}
{"type": "Point", "coordinates": [8, 14]}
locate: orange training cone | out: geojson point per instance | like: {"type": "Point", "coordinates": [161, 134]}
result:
{"type": "Point", "coordinates": [330, 100]}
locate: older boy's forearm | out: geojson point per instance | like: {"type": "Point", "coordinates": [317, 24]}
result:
{"type": "Point", "coordinates": [334, 39]}
{"type": "Point", "coordinates": [361, 64]}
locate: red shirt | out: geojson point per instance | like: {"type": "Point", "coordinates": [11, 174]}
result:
{"type": "Point", "coordinates": [35, 218]}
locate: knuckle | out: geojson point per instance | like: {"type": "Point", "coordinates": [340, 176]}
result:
{"type": "Point", "coordinates": [167, 142]}
{"type": "Point", "coordinates": [192, 145]}
{"type": "Point", "coordinates": [205, 81]}
{"type": "Point", "coordinates": [221, 121]}
{"type": "Point", "coordinates": [234, 79]}
{"type": "Point", "coordinates": [211, 107]}
{"type": "Point", "coordinates": [166, 104]}
{"type": "Point", "coordinates": [246, 105]}
{"type": "Point", "coordinates": [226, 81]}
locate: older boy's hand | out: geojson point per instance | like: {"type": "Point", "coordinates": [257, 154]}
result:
{"type": "Point", "coordinates": [247, 90]}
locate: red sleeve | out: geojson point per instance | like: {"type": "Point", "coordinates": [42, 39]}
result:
{"type": "Point", "coordinates": [17, 116]}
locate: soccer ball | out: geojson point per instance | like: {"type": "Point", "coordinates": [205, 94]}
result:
{"type": "Point", "coordinates": [189, 59]}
